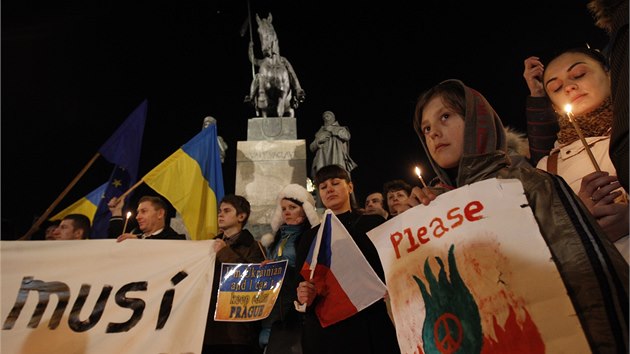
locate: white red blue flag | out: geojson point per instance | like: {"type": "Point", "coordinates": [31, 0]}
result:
{"type": "Point", "coordinates": [345, 281]}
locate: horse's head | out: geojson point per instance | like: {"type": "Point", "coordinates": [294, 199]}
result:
{"type": "Point", "coordinates": [268, 37]}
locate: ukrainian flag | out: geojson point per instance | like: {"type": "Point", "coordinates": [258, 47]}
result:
{"type": "Point", "coordinates": [86, 205]}
{"type": "Point", "coordinates": [192, 181]}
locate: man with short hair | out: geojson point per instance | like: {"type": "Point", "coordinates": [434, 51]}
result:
{"type": "Point", "coordinates": [233, 245]}
{"type": "Point", "coordinates": [151, 218]}
{"type": "Point", "coordinates": [72, 227]}
{"type": "Point", "coordinates": [374, 205]}
{"type": "Point", "coordinates": [50, 229]}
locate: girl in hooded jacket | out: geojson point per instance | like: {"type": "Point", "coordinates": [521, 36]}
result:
{"type": "Point", "coordinates": [465, 142]}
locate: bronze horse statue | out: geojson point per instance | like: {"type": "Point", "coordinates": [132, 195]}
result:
{"type": "Point", "coordinates": [275, 90]}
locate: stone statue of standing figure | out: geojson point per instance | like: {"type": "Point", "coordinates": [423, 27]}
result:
{"type": "Point", "coordinates": [331, 145]}
{"type": "Point", "coordinates": [209, 120]}
{"type": "Point", "coordinates": [275, 90]}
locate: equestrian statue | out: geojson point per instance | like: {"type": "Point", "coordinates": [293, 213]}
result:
{"type": "Point", "coordinates": [275, 90]}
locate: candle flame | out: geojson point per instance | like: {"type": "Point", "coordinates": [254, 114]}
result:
{"type": "Point", "coordinates": [128, 214]}
{"type": "Point", "coordinates": [418, 171]}
{"type": "Point", "coordinates": [568, 108]}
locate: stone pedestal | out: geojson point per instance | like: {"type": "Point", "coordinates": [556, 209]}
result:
{"type": "Point", "coordinates": [264, 166]}
{"type": "Point", "coordinates": [271, 129]}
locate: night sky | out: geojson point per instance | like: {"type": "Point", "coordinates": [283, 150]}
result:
{"type": "Point", "coordinates": [73, 70]}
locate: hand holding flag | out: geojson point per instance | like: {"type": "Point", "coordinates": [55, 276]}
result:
{"type": "Point", "coordinates": [345, 281]}
{"type": "Point", "coordinates": [123, 150]}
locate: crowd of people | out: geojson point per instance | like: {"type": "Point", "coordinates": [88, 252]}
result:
{"type": "Point", "coordinates": [575, 180]}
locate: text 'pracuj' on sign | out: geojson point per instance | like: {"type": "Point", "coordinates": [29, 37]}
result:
{"type": "Point", "coordinates": [247, 292]}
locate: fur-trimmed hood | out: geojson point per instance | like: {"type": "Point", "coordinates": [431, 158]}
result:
{"type": "Point", "coordinates": [517, 142]}
{"type": "Point", "coordinates": [297, 192]}
{"type": "Point", "coordinates": [609, 15]}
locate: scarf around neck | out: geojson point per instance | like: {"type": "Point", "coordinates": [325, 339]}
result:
{"type": "Point", "coordinates": [286, 232]}
{"type": "Point", "coordinates": [594, 123]}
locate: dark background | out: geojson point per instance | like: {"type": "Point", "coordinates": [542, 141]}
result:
{"type": "Point", "coordinates": [73, 70]}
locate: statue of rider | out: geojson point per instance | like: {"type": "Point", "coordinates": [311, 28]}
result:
{"type": "Point", "coordinates": [274, 71]}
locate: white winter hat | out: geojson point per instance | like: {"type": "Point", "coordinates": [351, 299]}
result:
{"type": "Point", "coordinates": [296, 192]}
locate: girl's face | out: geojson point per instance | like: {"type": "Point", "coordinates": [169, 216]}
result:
{"type": "Point", "coordinates": [443, 130]}
{"type": "Point", "coordinates": [335, 194]}
{"type": "Point", "coordinates": [292, 214]}
{"type": "Point", "coordinates": [577, 79]}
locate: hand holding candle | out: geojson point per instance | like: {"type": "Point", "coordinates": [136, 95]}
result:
{"type": "Point", "coordinates": [568, 108]}
{"type": "Point", "coordinates": [420, 176]}
{"type": "Point", "coordinates": [126, 221]}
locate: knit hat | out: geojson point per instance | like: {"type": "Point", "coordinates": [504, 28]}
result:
{"type": "Point", "coordinates": [295, 192]}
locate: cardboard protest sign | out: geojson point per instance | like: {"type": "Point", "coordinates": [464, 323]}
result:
{"type": "Point", "coordinates": [472, 272]}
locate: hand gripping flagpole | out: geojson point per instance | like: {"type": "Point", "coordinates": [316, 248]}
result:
{"type": "Point", "coordinates": [124, 195]}
{"type": "Point", "coordinates": [313, 264]}
{"type": "Point", "coordinates": [318, 242]}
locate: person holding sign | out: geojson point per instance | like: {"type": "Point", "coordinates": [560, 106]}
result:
{"type": "Point", "coordinates": [234, 245]}
{"type": "Point", "coordinates": [370, 330]}
{"type": "Point", "coordinates": [295, 213]}
{"type": "Point", "coordinates": [465, 142]}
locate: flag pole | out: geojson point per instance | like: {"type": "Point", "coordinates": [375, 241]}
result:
{"type": "Point", "coordinates": [251, 36]}
{"type": "Point", "coordinates": [124, 195]}
{"type": "Point", "coordinates": [318, 243]}
{"type": "Point", "coordinates": [313, 264]}
{"type": "Point", "coordinates": [52, 206]}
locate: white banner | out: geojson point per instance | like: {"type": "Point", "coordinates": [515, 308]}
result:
{"type": "Point", "coordinates": [100, 296]}
{"type": "Point", "coordinates": [471, 272]}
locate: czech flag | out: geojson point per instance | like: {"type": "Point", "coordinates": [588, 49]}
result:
{"type": "Point", "coordinates": [345, 281]}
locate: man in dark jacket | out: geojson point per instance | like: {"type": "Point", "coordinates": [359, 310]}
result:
{"type": "Point", "coordinates": [233, 245]}
{"type": "Point", "coordinates": [151, 219]}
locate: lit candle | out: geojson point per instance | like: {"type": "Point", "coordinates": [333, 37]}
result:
{"type": "Point", "coordinates": [127, 220]}
{"type": "Point", "coordinates": [420, 176]}
{"type": "Point", "coordinates": [567, 109]}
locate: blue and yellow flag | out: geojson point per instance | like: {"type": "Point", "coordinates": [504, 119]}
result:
{"type": "Point", "coordinates": [123, 150]}
{"type": "Point", "coordinates": [192, 181]}
{"type": "Point", "coordinates": [86, 205]}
